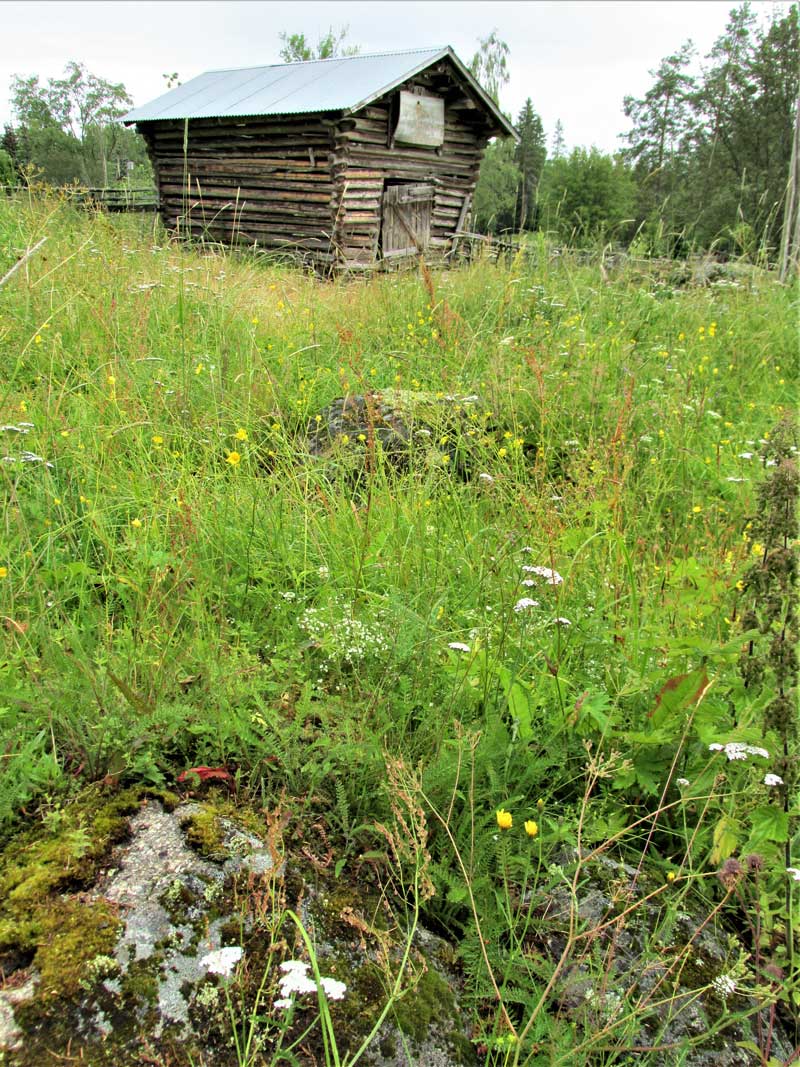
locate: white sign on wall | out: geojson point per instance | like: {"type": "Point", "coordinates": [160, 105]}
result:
{"type": "Point", "coordinates": [421, 120]}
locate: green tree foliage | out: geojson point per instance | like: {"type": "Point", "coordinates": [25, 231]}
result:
{"type": "Point", "coordinates": [530, 156]}
{"type": "Point", "coordinates": [68, 129]}
{"type": "Point", "coordinates": [489, 65]}
{"type": "Point", "coordinates": [8, 173]}
{"type": "Point", "coordinates": [587, 196]}
{"type": "Point", "coordinates": [661, 120]}
{"type": "Point", "coordinates": [559, 144]}
{"type": "Point", "coordinates": [497, 193]}
{"type": "Point", "coordinates": [297, 49]}
{"type": "Point", "coordinates": [711, 153]}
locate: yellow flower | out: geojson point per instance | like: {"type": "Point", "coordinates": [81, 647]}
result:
{"type": "Point", "coordinates": [136, 523]}
{"type": "Point", "coordinates": [505, 819]}
{"type": "Point", "coordinates": [37, 340]}
{"type": "Point", "coordinates": [531, 828]}
{"type": "Point", "coordinates": [57, 501]}
{"type": "Point", "coordinates": [254, 321]}
{"type": "Point", "coordinates": [241, 435]}
{"type": "Point", "coordinates": [157, 439]}
{"type": "Point", "coordinates": [3, 572]}
{"type": "Point", "coordinates": [199, 368]}
{"type": "Point", "coordinates": [697, 509]}
{"type": "Point", "coordinates": [501, 452]}
{"type": "Point", "coordinates": [671, 876]}
{"type": "Point", "coordinates": [233, 458]}
{"type": "Point", "coordinates": [757, 548]}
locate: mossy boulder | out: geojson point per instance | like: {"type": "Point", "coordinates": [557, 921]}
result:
{"type": "Point", "coordinates": [427, 428]}
{"type": "Point", "coordinates": [130, 924]}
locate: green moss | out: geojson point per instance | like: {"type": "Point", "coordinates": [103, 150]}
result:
{"type": "Point", "coordinates": [71, 934]}
{"type": "Point", "coordinates": [38, 867]}
{"type": "Point", "coordinates": [428, 1002]}
{"type": "Point", "coordinates": [204, 833]}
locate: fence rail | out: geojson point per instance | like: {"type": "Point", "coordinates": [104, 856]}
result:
{"type": "Point", "coordinates": [144, 198]}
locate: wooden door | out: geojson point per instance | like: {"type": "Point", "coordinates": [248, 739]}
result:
{"type": "Point", "coordinates": [407, 213]}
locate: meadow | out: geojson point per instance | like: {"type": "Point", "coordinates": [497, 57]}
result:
{"type": "Point", "coordinates": [562, 631]}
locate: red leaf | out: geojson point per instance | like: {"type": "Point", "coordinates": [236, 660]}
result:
{"type": "Point", "coordinates": [204, 773]}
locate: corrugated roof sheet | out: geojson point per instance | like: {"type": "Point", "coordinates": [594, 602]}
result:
{"type": "Point", "coordinates": [343, 84]}
{"type": "Point", "coordinates": [286, 89]}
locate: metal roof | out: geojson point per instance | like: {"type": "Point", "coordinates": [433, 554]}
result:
{"type": "Point", "coordinates": [342, 84]}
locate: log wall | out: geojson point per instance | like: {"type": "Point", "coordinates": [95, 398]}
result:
{"type": "Point", "coordinates": [264, 181]}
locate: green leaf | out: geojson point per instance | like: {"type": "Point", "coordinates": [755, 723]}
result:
{"type": "Point", "coordinates": [726, 839]}
{"type": "Point", "coordinates": [677, 695]}
{"type": "Point", "coordinates": [769, 823]}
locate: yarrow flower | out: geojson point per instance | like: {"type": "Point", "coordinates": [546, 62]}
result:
{"type": "Point", "coordinates": [773, 779]}
{"type": "Point", "coordinates": [524, 603]}
{"type": "Point", "coordinates": [682, 782]}
{"type": "Point", "coordinates": [550, 576]}
{"type": "Point", "coordinates": [296, 980]}
{"type": "Point", "coordinates": [505, 820]}
{"type": "Point", "coordinates": [459, 646]}
{"type": "Point", "coordinates": [738, 750]}
{"type": "Point", "coordinates": [794, 872]}
{"type": "Point", "coordinates": [724, 986]}
{"type": "Point", "coordinates": [223, 961]}
{"type": "Point", "coordinates": [561, 621]}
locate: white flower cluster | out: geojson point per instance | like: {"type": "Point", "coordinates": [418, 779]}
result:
{"type": "Point", "coordinates": [296, 981]}
{"type": "Point", "coordinates": [223, 961]}
{"type": "Point", "coordinates": [459, 646]}
{"type": "Point", "coordinates": [344, 641]}
{"type": "Point", "coordinates": [550, 576]}
{"type": "Point", "coordinates": [524, 603]}
{"type": "Point", "coordinates": [724, 986]}
{"type": "Point", "coordinates": [738, 750]}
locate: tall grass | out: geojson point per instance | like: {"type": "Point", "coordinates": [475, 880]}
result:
{"type": "Point", "coordinates": [183, 584]}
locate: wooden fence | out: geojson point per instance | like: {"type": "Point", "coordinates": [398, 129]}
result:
{"type": "Point", "coordinates": [143, 198]}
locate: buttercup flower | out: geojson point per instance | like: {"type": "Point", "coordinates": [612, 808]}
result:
{"type": "Point", "coordinates": [531, 828]}
{"type": "Point", "coordinates": [233, 458]}
{"type": "Point", "coordinates": [505, 819]}
{"type": "Point", "coordinates": [241, 435]}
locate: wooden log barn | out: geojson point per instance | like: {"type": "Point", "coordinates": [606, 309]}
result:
{"type": "Point", "coordinates": [352, 163]}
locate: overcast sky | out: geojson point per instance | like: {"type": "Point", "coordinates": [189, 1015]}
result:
{"type": "Point", "coordinates": [576, 59]}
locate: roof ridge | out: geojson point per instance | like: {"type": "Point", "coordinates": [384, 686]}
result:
{"type": "Point", "coordinates": [330, 59]}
